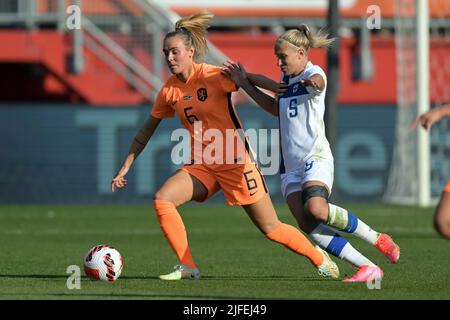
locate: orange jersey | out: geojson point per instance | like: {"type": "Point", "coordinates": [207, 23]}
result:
{"type": "Point", "coordinates": [205, 98]}
{"type": "Point", "coordinates": [447, 187]}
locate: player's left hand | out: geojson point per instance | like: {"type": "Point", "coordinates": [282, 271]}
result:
{"type": "Point", "coordinates": [118, 181]}
{"type": "Point", "coordinates": [316, 82]}
{"type": "Point", "coordinates": [310, 82]}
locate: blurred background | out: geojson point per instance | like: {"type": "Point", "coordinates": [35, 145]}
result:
{"type": "Point", "coordinates": [75, 91]}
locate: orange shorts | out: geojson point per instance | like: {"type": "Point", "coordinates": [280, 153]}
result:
{"type": "Point", "coordinates": [447, 187]}
{"type": "Point", "coordinates": [242, 184]}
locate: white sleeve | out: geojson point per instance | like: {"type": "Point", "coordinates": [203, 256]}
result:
{"type": "Point", "coordinates": [317, 70]}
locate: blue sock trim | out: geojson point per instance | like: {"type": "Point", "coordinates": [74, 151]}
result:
{"type": "Point", "coordinates": [351, 224]}
{"type": "Point", "coordinates": [336, 245]}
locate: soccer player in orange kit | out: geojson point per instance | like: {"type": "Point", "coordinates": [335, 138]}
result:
{"type": "Point", "coordinates": [201, 96]}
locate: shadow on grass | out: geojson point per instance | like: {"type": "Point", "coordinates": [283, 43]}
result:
{"type": "Point", "coordinates": [78, 295]}
{"type": "Point", "coordinates": [34, 276]}
{"type": "Point", "coordinates": [203, 278]}
{"type": "Point", "coordinates": [60, 276]}
{"type": "Point", "coordinates": [266, 277]}
{"type": "Point", "coordinates": [237, 278]}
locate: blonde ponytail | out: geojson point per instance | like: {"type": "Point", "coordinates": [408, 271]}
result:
{"type": "Point", "coordinates": [194, 30]}
{"type": "Point", "coordinates": [304, 38]}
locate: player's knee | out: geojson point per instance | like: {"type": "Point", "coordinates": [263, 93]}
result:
{"type": "Point", "coordinates": [442, 224]}
{"type": "Point", "coordinates": [317, 208]}
{"type": "Point", "coordinates": [268, 227]}
{"type": "Point", "coordinates": [315, 200]}
{"type": "Point", "coordinates": [162, 195]}
{"type": "Point", "coordinates": [270, 231]}
{"type": "Point", "coordinates": [158, 195]}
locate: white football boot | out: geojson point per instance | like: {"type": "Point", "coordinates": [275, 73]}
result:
{"type": "Point", "coordinates": [182, 272]}
{"type": "Point", "coordinates": [328, 269]}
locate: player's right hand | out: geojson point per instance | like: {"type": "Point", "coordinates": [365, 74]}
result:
{"type": "Point", "coordinates": [236, 72]}
{"type": "Point", "coordinates": [427, 119]}
{"type": "Point", "coordinates": [118, 181]}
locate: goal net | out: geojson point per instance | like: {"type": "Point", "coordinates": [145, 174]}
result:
{"type": "Point", "coordinates": [421, 161]}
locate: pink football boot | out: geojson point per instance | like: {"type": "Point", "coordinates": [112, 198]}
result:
{"type": "Point", "coordinates": [366, 273]}
{"type": "Point", "coordinates": [387, 246]}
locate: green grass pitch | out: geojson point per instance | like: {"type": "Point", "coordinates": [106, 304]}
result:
{"type": "Point", "coordinates": [38, 243]}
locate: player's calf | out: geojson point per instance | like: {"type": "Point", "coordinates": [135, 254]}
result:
{"type": "Point", "coordinates": [442, 216]}
{"type": "Point", "coordinates": [442, 225]}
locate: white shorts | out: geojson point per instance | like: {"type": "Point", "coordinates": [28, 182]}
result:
{"type": "Point", "coordinates": [315, 170]}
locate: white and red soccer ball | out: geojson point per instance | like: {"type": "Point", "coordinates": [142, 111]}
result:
{"type": "Point", "coordinates": [103, 262]}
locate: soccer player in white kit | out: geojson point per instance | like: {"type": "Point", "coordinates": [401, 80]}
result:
{"type": "Point", "coordinates": [307, 165]}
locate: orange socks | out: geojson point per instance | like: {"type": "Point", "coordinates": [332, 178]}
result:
{"type": "Point", "coordinates": [173, 228]}
{"type": "Point", "coordinates": [294, 240]}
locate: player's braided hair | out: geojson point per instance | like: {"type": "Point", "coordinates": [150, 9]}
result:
{"type": "Point", "coordinates": [302, 37]}
{"type": "Point", "coordinates": [193, 30]}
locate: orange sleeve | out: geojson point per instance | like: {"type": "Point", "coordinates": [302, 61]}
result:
{"type": "Point", "coordinates": [218, 78]}
{"type": "Point", "coordinates": [161, 108]}
{"type": "Point", "coordinates": [227, 84]}
{"type": "Point", "coordinates": [447, 187]}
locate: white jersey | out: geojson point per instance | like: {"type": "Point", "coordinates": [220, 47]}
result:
{"type": "Point", "coordinates": [302, 130]}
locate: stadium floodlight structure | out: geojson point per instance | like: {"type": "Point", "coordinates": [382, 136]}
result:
{"type": "Point", "coordinates": [420, 163]}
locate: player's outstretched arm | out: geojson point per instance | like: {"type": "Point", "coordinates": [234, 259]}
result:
{"type": "Point", "coordinates": [262, 81]}
{"type": "Point", "coordinates": [316, 82]}
{"type": "Point", "coordinates": [428, 119]}
{"type": "Point", "coordinates": [139, 142]}
{"type": "Point", "coordinates": [238, 75]}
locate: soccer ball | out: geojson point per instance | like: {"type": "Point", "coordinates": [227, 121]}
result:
{"type": "Point", "coordinates": [103, 262]}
